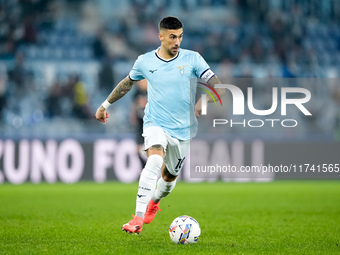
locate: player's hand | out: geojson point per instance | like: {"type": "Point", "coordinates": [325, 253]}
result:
{"type": "Point", "coordinates": [102, 115]}
{"type": "Point", "coordinates": [198, 108]}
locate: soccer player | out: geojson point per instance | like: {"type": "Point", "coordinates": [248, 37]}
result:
{"type": "Point", "coordinates": [166, 128]}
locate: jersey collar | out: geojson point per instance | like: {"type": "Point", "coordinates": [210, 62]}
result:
{"type": "Point", "coordinates": [166, 60]}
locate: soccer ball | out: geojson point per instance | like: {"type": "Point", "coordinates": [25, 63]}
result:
{"type": "Point", "coordinates": [184, 229]}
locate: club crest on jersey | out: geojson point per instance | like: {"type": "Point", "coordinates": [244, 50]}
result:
{"type": "Point", "coordinates": [181, 69]}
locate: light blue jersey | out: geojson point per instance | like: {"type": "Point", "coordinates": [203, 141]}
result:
{"type": "Point", "coordinates": [169, 94]}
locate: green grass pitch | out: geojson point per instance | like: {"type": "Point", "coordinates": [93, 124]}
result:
{"type": "Point", "coordinates": [280, 217]}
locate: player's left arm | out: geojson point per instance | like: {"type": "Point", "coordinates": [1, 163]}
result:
{"type": "Point", "coordinates": [220, 91]}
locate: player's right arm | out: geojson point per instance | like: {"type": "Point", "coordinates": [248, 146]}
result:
{"type": "Point", "coordinates": [118, 92]}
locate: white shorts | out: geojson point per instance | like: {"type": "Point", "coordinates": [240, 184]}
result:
{"type": "Point", "coordinates": [175, 150]}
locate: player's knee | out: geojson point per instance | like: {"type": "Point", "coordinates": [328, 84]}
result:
{"type": "Point", "coordinates": [156, 149]}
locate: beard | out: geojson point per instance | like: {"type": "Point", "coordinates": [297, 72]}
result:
{"type": "Point", "coordinates": [172, 53]}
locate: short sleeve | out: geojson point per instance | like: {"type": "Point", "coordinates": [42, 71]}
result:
{"type": "Point", "coordinates": [136, 73]}
{"type": "Point", "coordinates": [202, 69]}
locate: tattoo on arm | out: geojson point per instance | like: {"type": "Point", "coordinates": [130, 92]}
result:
{"type": "Point", "coordinates": [221, 91]}
{"type": "Point", "coordinates": [121, 89]}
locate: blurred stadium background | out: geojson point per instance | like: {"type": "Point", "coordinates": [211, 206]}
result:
{"type": "Point", "coordinates": [59, 59]}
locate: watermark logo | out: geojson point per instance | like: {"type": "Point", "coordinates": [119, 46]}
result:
{"type": "Point", "coordinates": [204, 97]}
{"type": "Point", "coordinates": [288, 96]}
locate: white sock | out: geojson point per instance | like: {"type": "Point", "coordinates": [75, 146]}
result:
{"type": "Point", "coordinates": [163, 189]}
{"type": "Point", "coordinates": [147, 183]}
